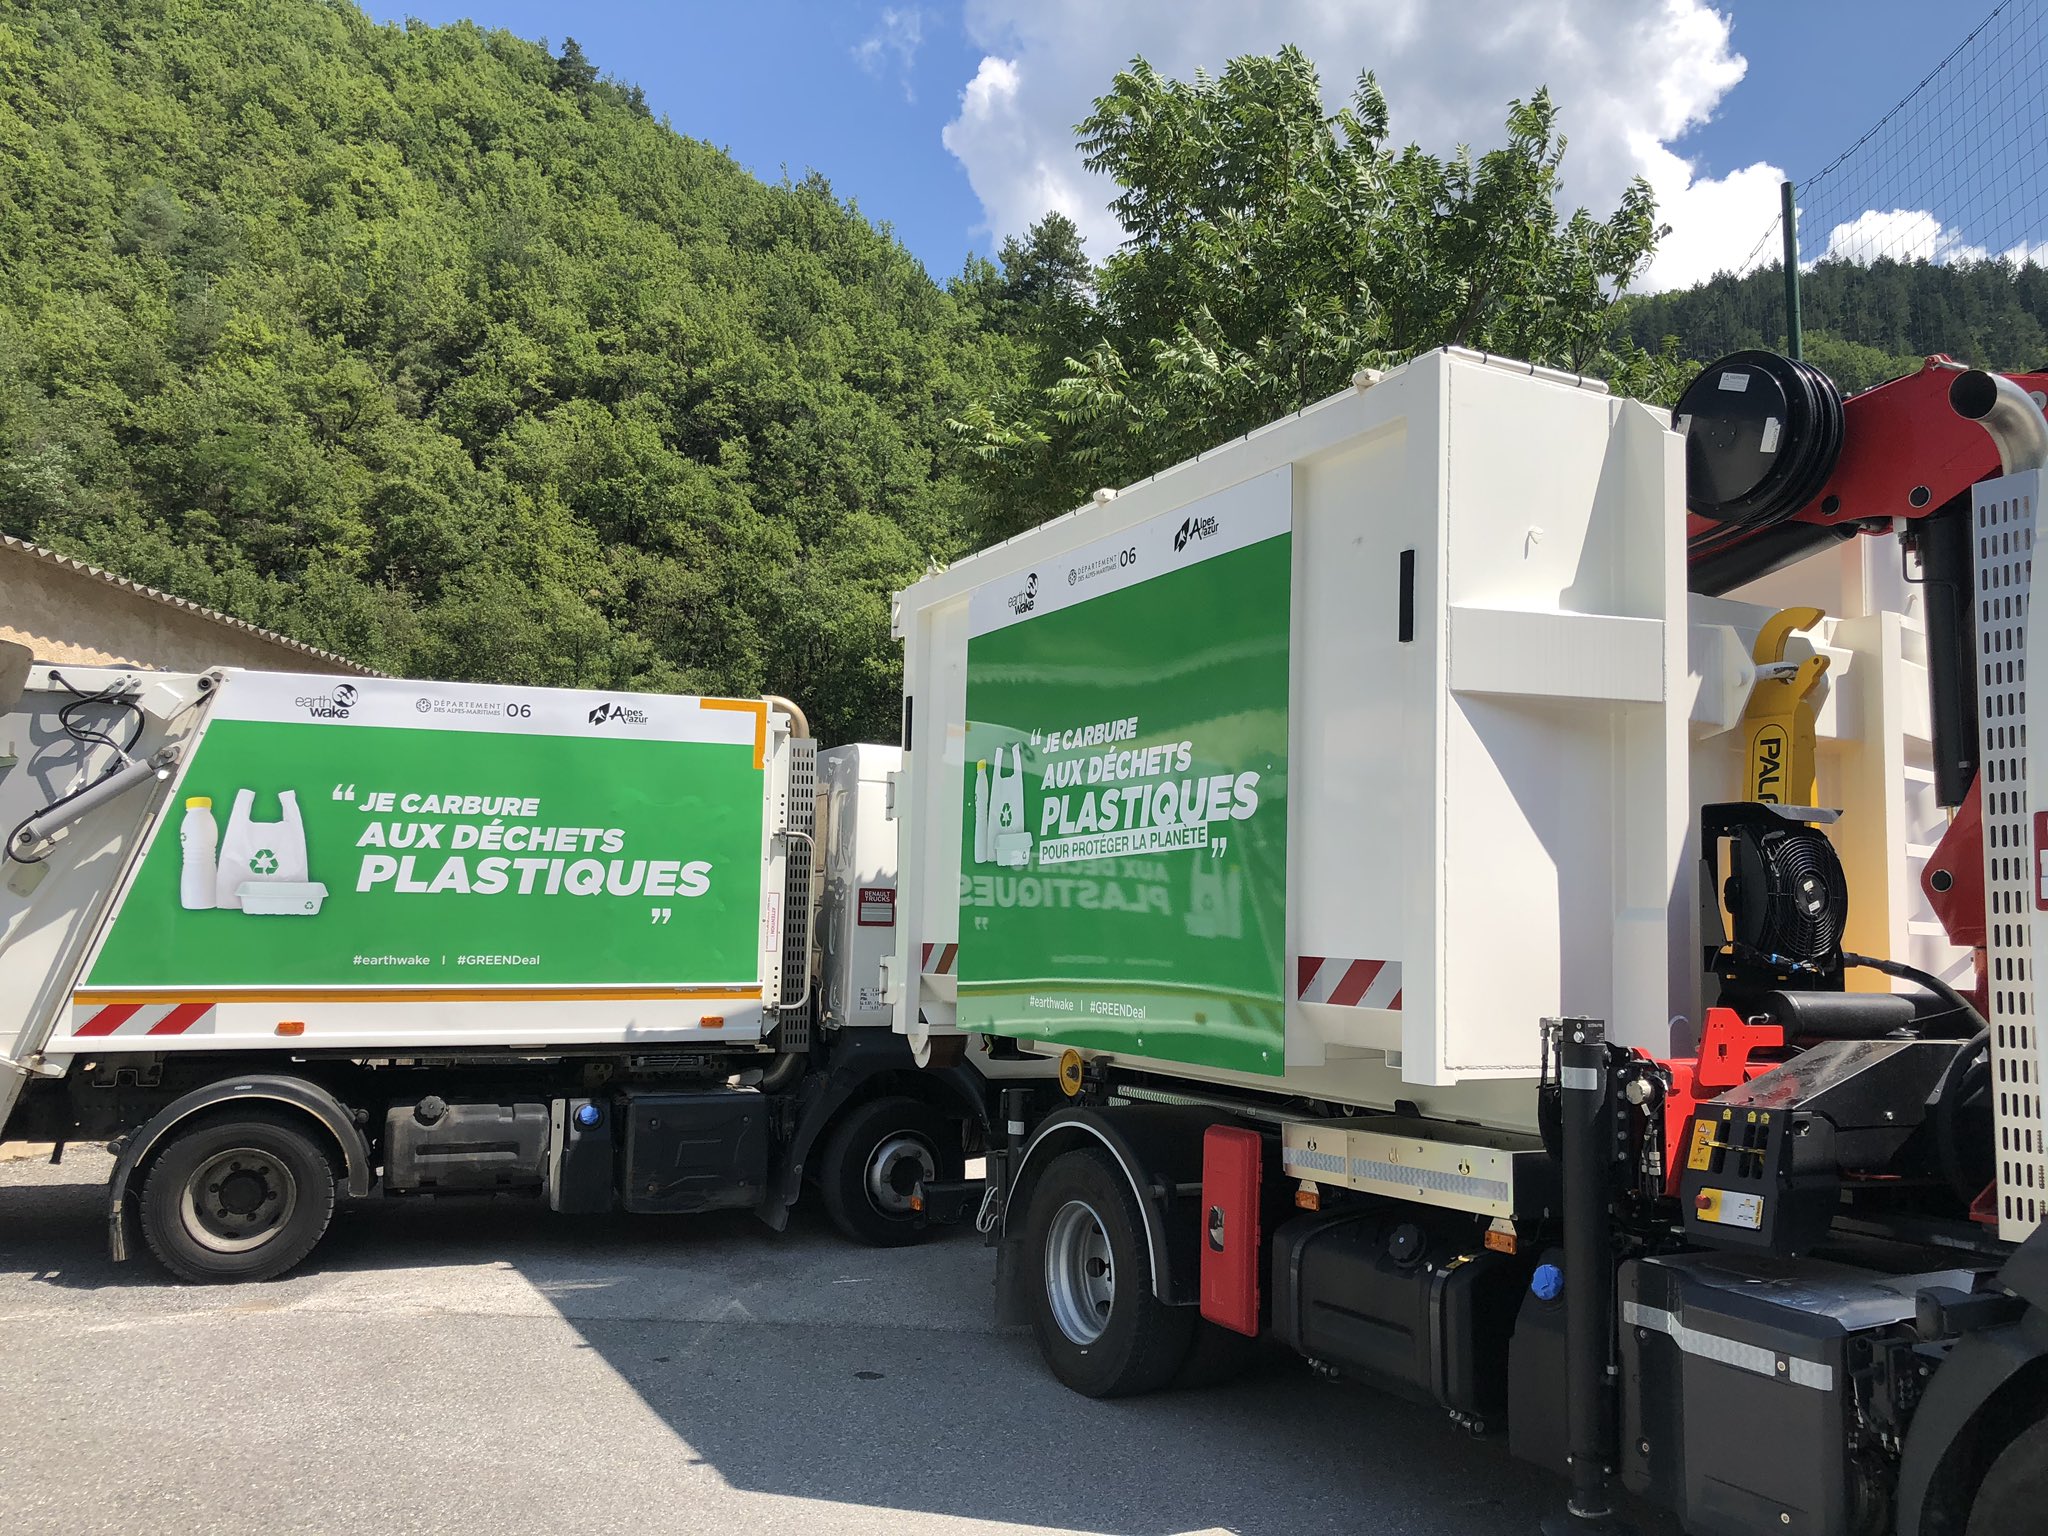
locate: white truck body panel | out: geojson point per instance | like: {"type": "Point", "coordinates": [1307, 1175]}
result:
{"type": "Point", "coordinates": [1499, 814]}
{"type": "Point", "coordinates": [57, 916]}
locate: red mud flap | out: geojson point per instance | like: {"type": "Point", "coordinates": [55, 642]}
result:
{"type": "Point", "coordinates": [1231, 1169]}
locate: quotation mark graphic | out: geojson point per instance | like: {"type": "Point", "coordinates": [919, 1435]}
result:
{"type": "Point", "coordinates": [343, 792]}
{"type": "Point", "coordinates": [663, 914]}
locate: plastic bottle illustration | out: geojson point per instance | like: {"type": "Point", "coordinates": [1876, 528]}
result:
{"type": "Point", "coordinates": [198, 840]}
{"type": "Point", "coordinates": [258, 853]}
{"type": "Point", "coordinates": [982, 852]}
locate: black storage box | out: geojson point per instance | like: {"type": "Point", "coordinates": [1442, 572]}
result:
{"type": "Point", "coordinates": [1425, 1308]}
{"type": "Point", "coordinates": [438, 1145]}
{"type": "Point", "coordinates": [703, 1150]}
{"type": "Point", "coordinates": [1734, 1372]}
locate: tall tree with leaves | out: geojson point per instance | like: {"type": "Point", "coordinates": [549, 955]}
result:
{"type": "Point", "coordinates": [1272, 249]}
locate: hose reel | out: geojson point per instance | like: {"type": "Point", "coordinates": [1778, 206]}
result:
{"type": "Point", "coordinates": [1762, 435]}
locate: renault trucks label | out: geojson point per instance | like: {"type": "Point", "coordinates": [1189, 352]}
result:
{"type": "Point", "coordinates": [1124, 852]}
{"type": "Point", "coordinates": [488, 840]}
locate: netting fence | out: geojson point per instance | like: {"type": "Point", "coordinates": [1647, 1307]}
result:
{"type": "Point", "coordinates": [1956, 171]}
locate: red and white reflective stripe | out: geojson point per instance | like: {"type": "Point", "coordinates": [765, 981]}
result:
{"type": "Point", "coordinates": [1348, 983]}
{"type": "Point", "coordinates": [139, 1018]}
{"type": "Point", "coordinates": [945, 953]}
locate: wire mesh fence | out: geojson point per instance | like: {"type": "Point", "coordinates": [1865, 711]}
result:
{"type": "Point", "coordinates": [1956, 171]}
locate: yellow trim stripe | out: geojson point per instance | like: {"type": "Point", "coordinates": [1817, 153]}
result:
{"type": "Point", "coordinates": [759, 709]}
{"type": "Point", "coordinates": [220, 996]}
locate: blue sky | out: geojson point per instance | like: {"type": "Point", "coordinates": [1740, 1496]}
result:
{"type": "Point", "coordinates": [948, 119]}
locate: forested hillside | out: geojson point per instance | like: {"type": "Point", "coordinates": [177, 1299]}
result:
{"type": "Point", "coordinates": [434, 347]}
{"type": "Point", "coordinates": [1862, 324]}
{"type": "Point", "coordinates": [437, 350]}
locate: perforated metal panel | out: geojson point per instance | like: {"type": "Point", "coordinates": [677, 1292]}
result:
{"type": "Point", "coordinates": [2005, 540]}
{"type": "Point", "coordinates": [793, 1031]}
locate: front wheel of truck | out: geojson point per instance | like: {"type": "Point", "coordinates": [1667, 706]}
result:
{"type": "Point", "coordinates": [235, 1199]}
{"type": "Point", "coordinates": [1099, 1325]}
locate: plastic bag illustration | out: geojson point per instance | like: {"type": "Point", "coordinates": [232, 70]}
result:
{"type": "Point", "coordinates": [262, 865]}
{"type": "Point", "coordinates": [1007, 827]}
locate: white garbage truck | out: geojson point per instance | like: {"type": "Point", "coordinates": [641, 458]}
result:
{"type": "Point", "coordinates": [283, 940]}
{"type": "Point", "coordinates": [1534, 903]}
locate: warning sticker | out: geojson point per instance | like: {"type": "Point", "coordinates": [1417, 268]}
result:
{"type": "Point", "coordinates": [1702, 1155]}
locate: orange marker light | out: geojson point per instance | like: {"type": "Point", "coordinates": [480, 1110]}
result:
{"type": "Point", "coordinates": [711, 1021]}
{"type": "Point", "coordinates": [1501, 1242]}
{"type": "Point", "coordinates": [1308, 1197]}
{"type": "Point", "coordinates": [291, 1027]}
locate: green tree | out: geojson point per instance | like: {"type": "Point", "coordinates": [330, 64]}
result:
{"type": "Point", "coordinates": [1271, 250]}
{"type": "Point", "coordinates": [429, 346]}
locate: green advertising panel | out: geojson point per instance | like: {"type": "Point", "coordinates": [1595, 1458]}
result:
{"type": "Point", "coordinates": [1124, 853]}
{"type": "Point", "coordinates": [312, 853]}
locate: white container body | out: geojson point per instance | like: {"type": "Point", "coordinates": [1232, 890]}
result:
{"type": "Point", "coordinates": [1493, 820]}
{"type": "Point", "coordinates": [307, 843]}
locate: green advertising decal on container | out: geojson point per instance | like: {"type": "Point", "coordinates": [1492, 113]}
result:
{"type": "Point", "coordinates": [386, 835]}
{"type": "Point", "coordinates": [1123, 879]}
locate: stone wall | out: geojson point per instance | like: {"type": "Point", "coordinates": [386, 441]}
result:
{"type": "Point", "coordinates": [64, 611]}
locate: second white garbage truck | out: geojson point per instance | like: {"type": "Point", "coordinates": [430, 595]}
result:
{"type": "Point", "coordinates": [283, 940]}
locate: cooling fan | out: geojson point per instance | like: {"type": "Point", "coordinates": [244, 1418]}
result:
{"type": "Point", "coordinates": [1786, 899]}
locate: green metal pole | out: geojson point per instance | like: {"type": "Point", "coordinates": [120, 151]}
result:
{"type": "Point", "coordinates": [1789, 218]}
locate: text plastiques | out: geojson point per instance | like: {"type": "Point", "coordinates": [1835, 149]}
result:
{"type": "Point", "coordinates": [489, 845]}
{"type": "Point", "coordinates": [1124, 800]}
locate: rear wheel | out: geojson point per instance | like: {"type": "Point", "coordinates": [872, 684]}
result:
{"type": "Point", "coordinates": [2015, 1491]}
{"type": "Point", "coordinates": [237, 1199]}
{"type": "Point", "coordinates": [873, 1163]}
{"type": "Point", "coordinates": [1098, 1324]}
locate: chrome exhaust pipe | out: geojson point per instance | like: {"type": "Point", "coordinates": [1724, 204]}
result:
{"type": "Point", "coordinates": [2008, 413]}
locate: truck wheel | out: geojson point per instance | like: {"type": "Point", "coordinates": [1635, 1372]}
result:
{"type": "Point", "coordinates": [1099, 1326]}
{"type": "Point", "coordinates": [2014, 1491]}
{"type": "Point", "coordinates": [240, 1199]}
{"type": "Point", "coordinates": [874, 1162]}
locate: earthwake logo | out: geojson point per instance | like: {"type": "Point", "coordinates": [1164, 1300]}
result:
{"type": "Point", "coordinates": [1021, 603]}
{"type": "Point", "coordinates": [329, 706]}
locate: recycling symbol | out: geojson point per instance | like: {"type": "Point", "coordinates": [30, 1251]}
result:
{"type": "Point", "coordinates": [1008, 816]}
{"type": "Point", "coordinates": [263, 862]}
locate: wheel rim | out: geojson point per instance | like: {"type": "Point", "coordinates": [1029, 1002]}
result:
{"type": "Point", "coordinates": [1080, 1272]}
{"type": "Point", "coordinates": [237, 1200]}
{"type": "Point", "coordinates": [895, 1169]}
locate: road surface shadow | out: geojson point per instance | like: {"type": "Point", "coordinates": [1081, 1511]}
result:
{"type": "Point", "coordinates": [770, 1364]}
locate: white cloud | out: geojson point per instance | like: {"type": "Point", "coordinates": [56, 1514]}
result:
{"type": "Point", "coordinates": [893, 44]}
{"type": "Point", "coordinates": [1629, 78]}
{"type": "Point", "coordinates": [1912, 234]}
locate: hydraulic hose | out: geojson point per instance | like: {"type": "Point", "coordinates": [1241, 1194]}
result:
{"type": "Point", "coordinates": [1927, 979]}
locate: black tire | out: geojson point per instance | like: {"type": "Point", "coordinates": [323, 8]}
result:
{"type": "Point", "coordinates": [266, 1207]}
{"type": "Point", "coordinates": [874, 1157]}
{"type": "Point", "coordinates": [2014, 1492]}
{"type": "Point", "coordinates": [1098, 1324]}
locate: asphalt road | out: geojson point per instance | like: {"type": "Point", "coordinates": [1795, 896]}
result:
{"type": "Point", "coordinates": [481, 1368]}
